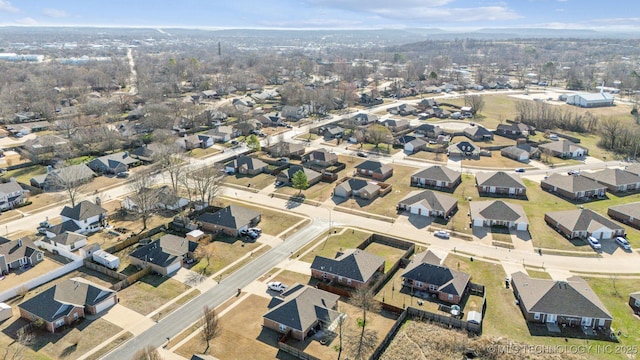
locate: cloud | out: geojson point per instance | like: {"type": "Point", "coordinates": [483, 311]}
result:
{"type": "Point", "coordinates": [313, 23]}
{"type": "Point", "coordinates": [421, 10]}
{"type": "Point", "coordinates": [55, 13]}
{"type": "Point", "coordinates": [7, 7]}
{"type": "Point", "coordinates": [27, 21]}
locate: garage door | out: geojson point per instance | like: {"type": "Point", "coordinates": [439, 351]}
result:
{"type": "Point", "coordinates": [522, 226]}
{"type": "Point", "coordinates": [106, 304]}
{"type": "Point", "coordinates": [173, 267]}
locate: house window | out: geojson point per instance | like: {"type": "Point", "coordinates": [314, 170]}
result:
{"type": "Point", "coordinates": [433, 288]}
{"type": "Point", "coordinates": [637, 303]}
{"type": "Point", "coordinates": [450, 297]}
{"type": "Point", "coordinates": [340, 278]}
{"type": "Point", "coordinates": [58, 323]}
{"type": "Point", "coordinates": [39, 256]}
{"type": "Point", "coordinates": [418, 284]}
{"type": "Point", "coordinates": [348, 281]}
{"type": "Point", "coordinates": [283, 327]}
{"type": "Point", "coordinates": [536, 316]}
{"type": "Point", "coordinates": [75, 316]}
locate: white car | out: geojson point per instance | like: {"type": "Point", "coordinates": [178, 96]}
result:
{"type": "Point", "coordinates": [595, 244]}
{"type": "Point", "coordinates": [442, 234]}
{"type": "Point", "coordinates": [277, 286]}
{"type": "Point", "coordinates": [623, 243]}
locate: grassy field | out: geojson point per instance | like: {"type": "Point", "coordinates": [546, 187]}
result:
{"type": "Point", "coordinates": [150, 292]}
{"type": "Point", "coordinates": [224, 251]}
{"type": "Point", "coordinates": [169, 309]}
{"type": "Point", "coordinates": [23, 175]}
{"type": "Point", "coordinates": [259, 181]}
{"type": "Point", "coordinates": [429, 156]}
{"type": "Point", "coordinates": [389, 253]}
{"type": "Point", "coordinates": [538, 274]}
{"type": "Point", "coordinates": [329, 246]}
{"type": "Point", "coordinates": [201, 153]}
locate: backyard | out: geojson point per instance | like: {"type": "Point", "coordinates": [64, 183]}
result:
{"type": "Point", "coordinates": [150, 292]}
{"type": "Point", "coordinates": [224, 251]}
{"type": "Point", "coordinates": [259, 181]}
{"type": "Point", "coordinates": [328, 246]}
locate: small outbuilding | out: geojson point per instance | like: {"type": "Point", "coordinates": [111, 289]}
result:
{"type": "Point", "coordinates": [5, 312]}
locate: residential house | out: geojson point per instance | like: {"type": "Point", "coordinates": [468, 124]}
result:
{"type": "Point", "coordinates": [374, 169]}
{"type": "Point", "coordinates": [196, 141]}
{"type": "Point", "coordinates": [224, 133]}
{"type": "Point", "coordinates": [295, 113]}
{"type": "Point", "coordinates": [286, 149]}
{"type": "Point", "coordinates": [320, 157]}
{"type": "Point", "coordinates": [425, 273]}
{"type": "Point", "coordinates": [246, 165]}
{"type": "Point", "coordinates": [615, 180]}
{"type": "Point", "coordinates": [301, 310]}
{"type": "Point", "coordinates": [627, 214]}
{"type": "Point", "coordinates": [478, 133]}
{"type": "Point", "coordinates": [361, 119]}
{"type": "Point", "coordinates": [429, 203]}
{"type": "Point", "coordinates": [286, 176]}
{"type": "Point", "coordinates": [230, 220]}
{"type": "Point", "coordinates": [428, 130]}
{"type": "Point", "coordinates": [396, 125]}
{"type": "Point", "coordinates": [28, 127]}
{"type": "Point", "coordinates": [11, 194]}
{"type": "Point", "coordinates": [333, 132]}
{"type": "Point", "coordinates": [520, 152]}
{"type": "Point", "coordinates": [564, 149]}
{"type": "Point", "coordinates": [165, 255]}
{"type": "Point", "coordinates": [414, 146]}
{"type": "Point", "coordinates": [17, 253]}
{"type": "Point", "coordinates": [46, 147]}
{"type": "Point", "coordinates": [163, 198]}
{"type": "Point", "coordinates": [210, 94]}
{"type": "Point", "coordinates": [569, 303]}
{"type": "Point", "coordinates": [269, 120]}
{"type": "Point", "coordinates": [498, 213]}
{"type": "Point", "coordinates": [88, 216]}
{"type": "Point", "coordinates": [582, 223]}
{"type": "Point", "coordinates": [402, 110]}
{"type": "Point", "coordinates": [149, 152]}
{"type": "Point", "coordinates": [67, 241]}
{"type": "Point", "coordinates": [463, 148]}
{"type": "Point", "coordinates": [60, 178]}
{"type": "Point", "coordinates": [66, 302]}
{"type": "Point", "coordinates": [438, 177]}
{"type": "Point", "coordinates": [352, 268]}
{"type": "Point", "coordinates": [55, 230]}
{"type": "Point", "coordinates": [500, 183]}
{"type": "Point", "coordinates": [357, 188]}
{"type": "Point", "coordinates": [515, 130]}
{"type": "Point", "coordinates": [573, 187]}
{"type": "Point", "coordinates": [113, 163]}
{"type": "Point", "coordinates": [634, 302]}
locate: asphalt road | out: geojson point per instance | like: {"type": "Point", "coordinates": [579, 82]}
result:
{"type": "Point", "coordinates": [191, 312]}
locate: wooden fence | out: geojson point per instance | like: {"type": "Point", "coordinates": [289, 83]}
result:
{"type": "Point", "coordinates": [131, 279]}
{"type": "Point", "coordinates": [104, 270]}
{"type": "Point", "coordinates": [134, 239]}
{"type": "Point", "coordinates": [444, 320]}
{"type": "Point", "coordinates": [390, 335]}
{"type": "Point", "coordinates": [295, 352]}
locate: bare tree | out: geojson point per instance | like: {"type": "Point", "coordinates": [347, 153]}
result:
{"type": "Point", "coordinates": [361, 344]}
{"type": "Point", "coordinates": [206, 183]}
{"type": "Point", "coordinates": [377, 134]}
{"type": "Point", "coordinates": [476, 102]}
{"type": "Point", "coordinates": [148, 353]}
{"type": "Point", "coordinates": [210, 325]}
{"type": "Point", "coordinates": [205, 252]}
{"type": "Point", "coordinates": [16, 349]}
{"type": "Point", "coordinates": [610, 129]}
{"type": "Point", "coordinates": [144, 198]}
{"type": "Point", "coordinates": [172, 159]}
{"type": "Point", "coordinates": [72, 179]}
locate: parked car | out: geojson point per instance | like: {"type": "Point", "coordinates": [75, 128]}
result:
{"type": "Point", "coordinates": [277, 286]}
{"type": "Point", "coordinates": [520, 170]}
{"type": "Point", "coordinates": [252, 234]}
{"type": "Point", "coordinates": [122, 174]}
{"type": "Point", "coordinates": [362, 154]}
{"type": "Point", "coordinates": [595, 244]}
{"type": "Point", "coordinates": [573, 172]}
{"type": "Point", "coordinates": [623, 243]}
{"type": "Point", "coordinates": [256, 230]}
{"type": "Point", "coordinates": [234, 142]}
{"type": "Point", "coordinates": [442, 234]}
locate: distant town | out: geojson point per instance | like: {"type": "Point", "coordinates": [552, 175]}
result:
{"type": "Point", "coordinates": [318, 194]}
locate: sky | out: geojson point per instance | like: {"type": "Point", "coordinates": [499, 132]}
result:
{"type": "Point", "coordinates": [454, 15]}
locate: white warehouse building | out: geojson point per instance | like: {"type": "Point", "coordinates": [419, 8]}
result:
{"type": "Point", "coordinates": [590, 100]}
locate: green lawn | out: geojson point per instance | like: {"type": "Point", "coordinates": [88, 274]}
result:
{"type": "Point", "coordinates": [329, 246]}
{"type": "Point", "coordinates": [23, 175]}
{"type": "Point", "coordinates": [200, 153]}
{"type": "Point", "coordinates": [390, 254]}
{"type": "Point", "coordinates": [259, 181]}
{"type": "Point", "coordinates": [150, 292]}
{"type": "Point", "coordinates": [538, 274]}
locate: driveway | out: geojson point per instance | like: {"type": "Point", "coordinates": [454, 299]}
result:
{"type": "Point", "coordinates": [128, 319]}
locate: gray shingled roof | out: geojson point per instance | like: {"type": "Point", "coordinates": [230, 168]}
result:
{"type": "Point", "coordinates": [375, 166]}
{"type": "Point", "coordinates": [65, 238]}
{"type": "Point", "coordinates": [430, 199]}
{"type": "Point", "coordinates": [60, 299]}
{"type": "Point", "coordinates": [353, 264]}
{"type": "Point", "coordinates": [321, 155]}
{"type": "Point", "coordinates": [499, 179]}
{"type": "Point", "coordinates": [632, 209]}
{"type": "Point", "coordinates": [572, 183]}
{"type": "Point", "coordinates": [355, 184]}
{"type": "Point", "coordinates": [613, 177]}
{"type": "Point", "coordinates": [573, 297]}
{"type": "Point", "coordinates": [165, 251]}
{"type": "Point", "coordinates": [249, 162]}
{"type": "Point", "coordinates": [448, 281]}
{"type": "Point", "coordinates": [438, 173]}
{"type": "Point", "coordinates": [10, 187]}
{"type": "Point", "coordinates": [303, 306]}
{"type": "Point", "coordinates": [497, 210]}
{"type": "Point", "coordinates": [61, 228]}
{"type": "Point", "coordinates": [562, 146]}
{"type": "Point", "coordinates": [582, 220]}
{"type": "Point", "coordinates": [311, 174]}
{"type": "Point", "coordinates": [82, 211]}
{"type": "Point", "coordinates": [233, 216]}
{"type": "Point", "coordinates": [474, 131]}
{"type": "Point", "coordinates": [635, 295]}
{"type": "Point", "coordinates": [12, 251]}
{"type": "Point", "coordinates": [634, 169]}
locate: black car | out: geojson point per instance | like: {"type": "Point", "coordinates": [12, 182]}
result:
{"type": "Point", "coordinates": [361, 154]}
